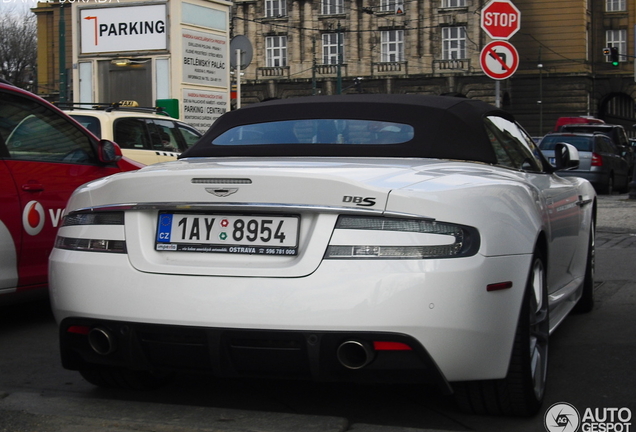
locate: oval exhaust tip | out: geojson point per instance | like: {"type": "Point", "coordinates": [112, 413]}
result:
{"type": "Point", "coordinates": [101, 341]}
{"type": "Point", "coordinates": [355, 354]}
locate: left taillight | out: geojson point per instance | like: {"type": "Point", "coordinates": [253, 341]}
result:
{"type": "Point", "coordinates": [107, 235]}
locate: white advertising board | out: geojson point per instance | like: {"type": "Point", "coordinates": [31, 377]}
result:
{"type": "Point", "coordinates": [202, 107]}
{"type": "Point", "coordinates": [123, 28]}
{"type": "Point", "coordinates": [205, 60]}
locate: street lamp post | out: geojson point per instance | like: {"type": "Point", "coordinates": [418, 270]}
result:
{"type": "Point", "coordinates": [313, 67]}
{"type": "Point", "coordinates": [540, 101]}
{"type": "Point", "coordinates": [339, 67]}
{"type": "Point", "coordinates": [62, 43]}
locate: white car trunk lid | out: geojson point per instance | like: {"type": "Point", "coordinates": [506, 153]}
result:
{"type": "Point", "coordinates": [295, 201]}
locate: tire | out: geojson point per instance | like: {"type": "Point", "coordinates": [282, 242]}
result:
{"type": "Point", "coordinates": [608, 188]}
{"type": "Point", "coordinates": [586, 302]}
{"type": "Point", "coordinates": [121, 378]}
{"type": "Point", "coordinates": [625, 187]}
{"type": "Point", "coordinates": [521, 392]}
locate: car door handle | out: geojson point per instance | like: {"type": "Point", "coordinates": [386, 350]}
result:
{"type": "Point", "coordinates": [582, 202]}
{"type": "Point", "coordinates": [33, 186]}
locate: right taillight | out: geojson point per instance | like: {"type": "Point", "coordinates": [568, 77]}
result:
{"type": "Point", "coordinates": [597, 159]}
{"type": "Point", "coordinates": [365, 237]}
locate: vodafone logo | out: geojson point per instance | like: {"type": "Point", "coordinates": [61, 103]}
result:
{"type": "Point", "coordinates": [33, 218]}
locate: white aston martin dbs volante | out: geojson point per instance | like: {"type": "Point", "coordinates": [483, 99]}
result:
{"type": "Point", "coordinates": [377, 238]}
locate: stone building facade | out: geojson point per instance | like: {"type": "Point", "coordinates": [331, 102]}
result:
{"type": "Point", "coordinates": [303, 47]}
{"type": "Point", "coordinates": [417, 46]}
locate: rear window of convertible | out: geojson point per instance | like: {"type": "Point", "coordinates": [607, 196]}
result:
{"type": "Point", "coordinates": [317, 131]}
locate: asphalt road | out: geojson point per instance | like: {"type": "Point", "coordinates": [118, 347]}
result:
{"type": "Point", "coordinates": [591, 368]}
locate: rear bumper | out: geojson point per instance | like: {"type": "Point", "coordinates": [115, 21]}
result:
{"type": "Point", "coordinates": [245, 353]}
{"type": "Point", "coordinates": [441, 307]}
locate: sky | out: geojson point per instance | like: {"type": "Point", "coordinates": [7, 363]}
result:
{"type": "Point", "coordinates": [16, 6]}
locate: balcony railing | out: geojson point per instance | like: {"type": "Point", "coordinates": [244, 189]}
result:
{"type": "Point", "coordinates": [451, 64]}
{"type": "Point", "coordinates": [396, 68]}
{"type": "Point", "coordinates": [331, 69]}
{"type": "Point", "coordinates": [273, 72]}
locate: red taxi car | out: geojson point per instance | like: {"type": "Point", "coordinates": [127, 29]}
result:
{"type": "Point", "coordinates": [44, 157]}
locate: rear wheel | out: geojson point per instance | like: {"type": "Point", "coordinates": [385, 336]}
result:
{"type": "Point", "coordinates": [608, 188]}
{"type": "Point", "coordinates": [114, 377]}
{"type": "Point", "coordinates": [625, 187]}
{"type": "Point", "coordinates": [521, 392]}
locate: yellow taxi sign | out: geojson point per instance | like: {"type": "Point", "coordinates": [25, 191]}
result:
{"type": "Point", "coordinates": [128, 103]}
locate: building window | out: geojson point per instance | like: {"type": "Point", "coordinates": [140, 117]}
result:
{"type": "Point", "coordinates": [392, 46]}
{"type": "Point", "coordinates": [396, 6]}
{"type": "Point", "coordinates": [276, 51]}
{"type": "Point", "coordinates": [330, 48]}
{"type": "Point", "coordinates": [331, 7]}
{"type": "Point", "coordinates": [453, 3]}
{"type": "Point", "coordinates": [275, 8]}
{"type": "Point", "coordinates": [617, 39]}
{"type": "Point", "coordinates": [453, 43]}
{"type": "Point", "coordinates": [615, 5]}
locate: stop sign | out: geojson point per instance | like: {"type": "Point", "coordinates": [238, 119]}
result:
{"type": "Point", "coordinates": [500, 19]}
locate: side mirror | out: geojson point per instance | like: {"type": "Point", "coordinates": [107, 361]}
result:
{"type": "Point", "coordinates": [108, 152]}
{"type": "Point", "coordinates": [566, 156]}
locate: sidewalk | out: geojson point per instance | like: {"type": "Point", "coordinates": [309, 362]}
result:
{"type": "Point", "coordinates": [616, 214]}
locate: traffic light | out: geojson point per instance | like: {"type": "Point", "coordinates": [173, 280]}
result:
{"type": "Point", "coordinates": [614, 56]}
{"type": "Point", "coordinates": [612, 53]}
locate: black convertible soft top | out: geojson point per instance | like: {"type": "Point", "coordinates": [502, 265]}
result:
{"type": "Point", "coordinates": [444, 127]}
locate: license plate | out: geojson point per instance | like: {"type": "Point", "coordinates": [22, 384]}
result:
{"type": "Point", "coordinates": [230, 234]}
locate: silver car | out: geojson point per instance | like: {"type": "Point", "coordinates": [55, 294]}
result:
{"type": "Point", "coordinates": [600, 160]}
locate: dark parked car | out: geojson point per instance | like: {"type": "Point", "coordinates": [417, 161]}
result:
{"type": "Point", "coordinates": [616, 133]}
{"type": "Point", "coordinates": [600, 160]}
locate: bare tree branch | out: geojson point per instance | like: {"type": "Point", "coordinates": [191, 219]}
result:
{"type": "Point", "coordinates": [18, 48]}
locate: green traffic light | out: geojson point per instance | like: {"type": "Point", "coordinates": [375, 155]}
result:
{"type": "Point", "coordinates": [614, 56]}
